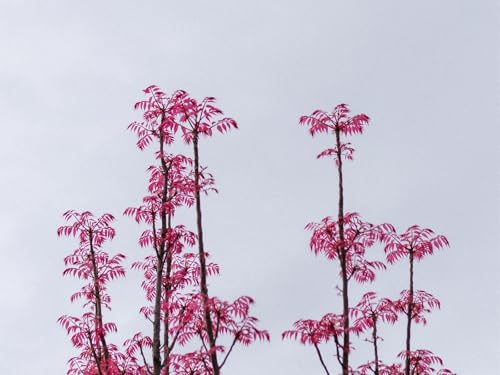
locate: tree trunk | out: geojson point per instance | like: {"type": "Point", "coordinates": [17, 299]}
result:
{"type": "Point", "coordinates": [375, 344]}
{"type": "Point", "coordinates": [160, 255]}
{"type": "Point", "coordinates": [201, 252]}
{"type": "Point", "coordinates": [409, 317]}
{"type": "Point", "coordinates": [167, 288]}
{"type": "Point", "coordinates": [343, 259]}
{"type": "Point", "coordinates": [157, 319]}
{"type": "Point", "coordinates": [98, 306]}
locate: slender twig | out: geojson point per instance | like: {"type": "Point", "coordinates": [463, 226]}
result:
{"type": "Point", "coordinates": [230, 349]}
{"type": "Point", "coordinates": [321, 358]}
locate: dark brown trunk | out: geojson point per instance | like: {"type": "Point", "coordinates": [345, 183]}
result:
{"type": "Point", "coordinates": [160, 253]}
{"type": "Point", "coordinates": [166, 286]}
{"type": "Point", "coordinates": [343, 260]}
{"type": "Point", "coordinates": [157, 320]}
{"type": "Point", "coordinates": [98, 306]}
{"type": "Point", "coordinates": [409, 317]}
{"type": "Point", "coordinates": [203, 266]}
{"type": "Point", "coordinates": [375, 343]}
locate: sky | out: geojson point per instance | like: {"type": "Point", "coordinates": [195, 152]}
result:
{"type": "Point", "coordinates": [425, 72]}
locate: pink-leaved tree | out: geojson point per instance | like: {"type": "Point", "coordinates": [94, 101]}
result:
{"type": "Point", "coordinates": [179, 307]}
{"type": "Point", "coordinates": [345, 241]}
{"type": "Point", "coordinates": [169, 270]}
{"type": "Point", "coordinates": [177, 181]}
{"type": "Point", "coordinates": [415, 243]}
{"type": "Point", "coordinates": [367, 315]}
{"type": "Point", "coordinates": [92, 264]}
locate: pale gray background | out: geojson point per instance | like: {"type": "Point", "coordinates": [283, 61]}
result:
{"type": "Point", "coordinates": [424, 71]}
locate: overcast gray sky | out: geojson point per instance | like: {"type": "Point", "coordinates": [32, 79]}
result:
{"type": "Point", "coordinates": [426, 72]}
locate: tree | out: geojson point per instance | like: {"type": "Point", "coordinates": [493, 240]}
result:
{"type": "Point", "coordinates": [179, 306]}
{"type": "Point", "coordinates": [415, 243]}
{"type": "Point", "coordinates": [367, 314]}
{"type": "Point", "coordinates": [201, 118]}
{"type": "Point", "coordinates": [346, 240]}
{"type": "Point", "coordinates": [197, 119]}
{"type": "Point", "coordinates": [168, 271]}
{"type": "Point", "coordinates": [89, 262]}
{"type": "Point", "coordinates": [175, 280]}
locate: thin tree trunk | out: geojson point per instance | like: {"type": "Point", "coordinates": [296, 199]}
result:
{"type": "Point", "coordinates": [375, 343]}
{"type": "Point", "coordinates": [409, 317]}
{"type": "Point", "coordinates": [166, 333]}
{"type": "Point", "coordinates": [157, 360]}
{"type": "Point", "coordinates": [343, 259]}
{"type": "Point", "coordinates": [321, 359]}
{"type": "Point", "coordinates": [157, 318]}
{"type": "Point", "coordinates": [203, 267]}
{"type": "Point", "coordinates": [98, 305]}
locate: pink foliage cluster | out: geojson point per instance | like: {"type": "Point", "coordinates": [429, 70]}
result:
{"type": "Point", "coordinates": [323, 122]}
{"type": "Point", "coordinates": [422, 362]}
{"type": "Point", "coordinates": [169, 114]}
{"type": "Point", "coordinates": [336, 121]}
{"type": "Point", "coordinates": [370, 310]}
{"type": "Point", "coordinates": [358, 237]}
{"type": "Point", "coordinates": [415, 241]}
